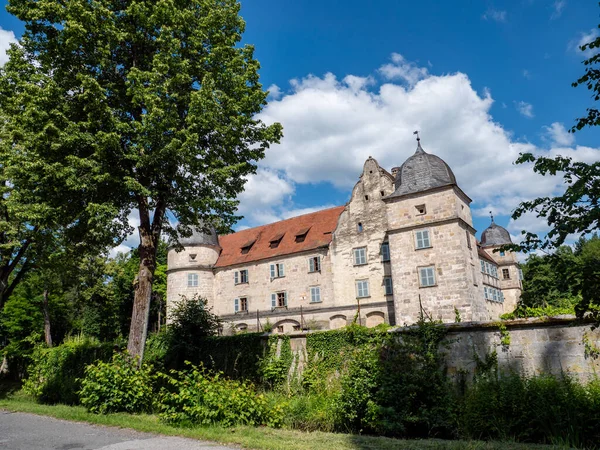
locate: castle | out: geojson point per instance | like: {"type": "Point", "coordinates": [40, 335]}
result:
{"type": "Point", "coordinates": [403, 244]}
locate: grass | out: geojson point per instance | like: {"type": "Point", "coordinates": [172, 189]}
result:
{"type": "Point", "coordinates": [247, 437]}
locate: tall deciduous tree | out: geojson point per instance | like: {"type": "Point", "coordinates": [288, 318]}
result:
{"type": "Point", "coordinates": [141, 104]}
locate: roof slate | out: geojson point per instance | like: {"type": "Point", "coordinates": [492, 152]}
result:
{"type": "Point", "coordinates": [320, 225]}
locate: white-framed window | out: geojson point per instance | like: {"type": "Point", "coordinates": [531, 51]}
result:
{"type": "Point", "coordinates": [240, 304]}
{"type": "Point", "coordinates": [387, 283]}
{"type": "Point", "coordinates": [240, 276]}
{"type": "Point", "coordinates": [427, 276]}
{"type": "Point", "coordinates": [482, 265]}
{"type": "Point", "coordinates": [360, 256]}
{"type": "Point", "coordinates": [279, 299]}
{"type": "Point", "coordinates": [315, 294]}
{"type": "Point", "coordinates": [362, 288]}
{"type": "Point", "coordinates": [385, 251]}
{"type": "Point", "coordinates": [192, 280]}
{"type": "Point", "coordinates": [314, 264]}
{"type": "Point", "coordinates": [422, 239]}
{"type": "Point", "coordinates": [277, 270]}
{"type": "Point", "coordinates": [485, 293]}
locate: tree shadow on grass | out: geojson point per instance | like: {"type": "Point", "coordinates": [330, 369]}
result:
{"type": "Point", "coordinates": [8, 388]}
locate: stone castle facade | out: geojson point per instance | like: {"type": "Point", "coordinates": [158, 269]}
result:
{"type": "Point", "coordinates": [403, 244]}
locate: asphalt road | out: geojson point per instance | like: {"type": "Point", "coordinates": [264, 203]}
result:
{"type": "Point", "coordinates": [20, 431]}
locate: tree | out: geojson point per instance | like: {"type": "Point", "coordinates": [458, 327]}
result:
{"type": "Point", "coordinates": [144, 105]}
{"type": "Point", "coordinates": [577, 210]}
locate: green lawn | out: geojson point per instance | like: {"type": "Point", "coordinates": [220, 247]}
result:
{"type": "Point", "coordinates": [248, 437]}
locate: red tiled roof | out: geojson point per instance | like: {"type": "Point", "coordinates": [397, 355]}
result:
{"type": "Point", "coordinates": [320, 225]}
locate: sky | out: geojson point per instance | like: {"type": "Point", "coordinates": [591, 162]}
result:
{"type": "Point", "coordinates": [481, 80]}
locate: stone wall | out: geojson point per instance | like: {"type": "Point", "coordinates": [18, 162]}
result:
{"type": "Point", "coordinates": [542, 345]}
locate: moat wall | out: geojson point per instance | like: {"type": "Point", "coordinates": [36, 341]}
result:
{"type": "Point", "coordinates": [554, 345]}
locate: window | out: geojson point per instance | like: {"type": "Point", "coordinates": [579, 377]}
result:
{"type": "Point", "coordinates": [520, 275]}
{"type": "Point", "coordinates": [385, 251]}
{"type": "Point", "coordinates": [280, 329]}
{"type": "Point", "coordinates": [362, 288]}
{"type": "Point", "coordinates": [360, 256]}
{"type": "Point", "coordinates": [505, 274]}
{"type": "Point", "coordinates": [240, 277]}
{"type": "Point", "coordinates": [502, 253]}
{"type": "Point", "coordinates": [193, 257]}
{"type": "Point", "coordinates": [192, 280]}
{"type": "Point", "coordinates": [301, 235]}
{"type": "Point", "coordinates": [485, 292]}
{"type": "Point", "coordinates": [422, 239]}
{"type": "Point", "coordinates": [315, 294]}
{"type": "Point", "coordinates": [314, 264]}
{"type": "Point", "coordinates": [482, 265]}
{"type": "Point", "coordinates": [275, 240]}
{"type": "Point", "coordinates": [474, 275]}
{"type": "Point", "coordinates": [240, 304]}
{"type": "Point", "coordinates": [493, 294]}
{"type": "Point", "coordinates": [359, 227]}
{"type": "Point", "coordinates": [387, 283]}
{"type": "Point", "coordinates": [427, 276]}
{"type": "Point", "coordinates": [468, 239]}
{"type": "Point", "coordinates": [247, 246]}
{"type": "Point", "coordinates": [366, 197]}
{"type": "Point", "coordinates": [421, 210]}
{"type": "Point", "coordinates": [277, 271]}
{"type": "Point", "coordinates": [296, 327]}
{"type": "Point", "coordinates": [382, 193]}
{"type": "Point", "coordinates": [279, 300]}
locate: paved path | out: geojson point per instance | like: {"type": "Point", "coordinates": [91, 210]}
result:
{"type": "Point", "coordinates": [20, 431]}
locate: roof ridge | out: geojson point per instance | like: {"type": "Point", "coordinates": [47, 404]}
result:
{"type": "Point", "coordinates": [285, 220]}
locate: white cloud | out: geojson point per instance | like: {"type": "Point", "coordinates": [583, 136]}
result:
{"type": "Point", "coordinates": [494, 14]}
{"type": "Point", "coordinates": [585, 38]}
{"type": "Point", "coordinates": [274, 92]}
{"type": "Point", "coordinates": [558, 135]}
{"type": "Point", "coordinates": [7, 37]}
{"type": "Point", "coordinates": [557, 8]}
{"type": "Point", "coordinates": [332, 125]}
{"type": "Point", "coordinates": [527, 74]}
{"type": "Point", "coordinates": [525, 109]}
{"type": "Point", "coordinates": [401, 69]}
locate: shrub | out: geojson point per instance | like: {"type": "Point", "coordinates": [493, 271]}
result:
{"type": "Point", "coordinates": [55, 373]}
{"type": "Point", "coordinates": [305, 411]}
{"type": "Point", "coordinates": [543, 409]}
{"type": "Point", "coordinates": [117, 386]}
{"type": "Point", "coordinates": [195, 397]}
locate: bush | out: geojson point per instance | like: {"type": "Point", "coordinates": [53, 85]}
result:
{"type": "Point", "coordinates": [195, 397]}
{"type": "Point", "coordinates": [55, 373]}
{"type": "Point", "coordinates": [117, 386]}
{"type": "Point", "coordinates": [542, 409]}
{"type": "Point", "coordinates": [305, 411]}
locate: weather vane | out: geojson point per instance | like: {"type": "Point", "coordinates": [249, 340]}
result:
{"type": "Point", "coordinates": [492, 215]}
{"type": "Point", "coordinates": [417, 133]}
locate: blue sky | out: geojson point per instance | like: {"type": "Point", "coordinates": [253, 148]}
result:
{"type": "Point", "coordinates": [482, 80]}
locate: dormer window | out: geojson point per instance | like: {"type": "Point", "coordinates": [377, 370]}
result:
{"type": "Point", "coordinates": [301, 234]}
{"type": "Point", "coordinates": [193, 257]}
{"type": "Point", "coordinates": [247, 246]}
{"type": "Point", "coordinates": [421, 210]}
{"type": "Point", "coordinates": [275, 240]}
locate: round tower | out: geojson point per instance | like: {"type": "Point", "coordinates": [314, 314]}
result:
{"type": "Point", "coordinates": [492, 238]}
{"type": "Point", "coordinates": [190, 271]}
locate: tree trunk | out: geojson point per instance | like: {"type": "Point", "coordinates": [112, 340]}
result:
{"type": "Point", "coordinates": [47, 333]}
{"type": "Point", "coordinates": [149, 236]}
{"type": "Point", "coordinates": [4, 366]}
